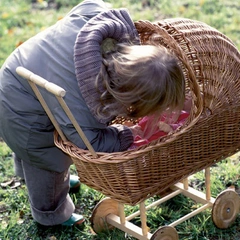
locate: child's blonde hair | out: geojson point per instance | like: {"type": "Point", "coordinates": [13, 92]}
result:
{"type": "Point", "coordinates": [140, 80]}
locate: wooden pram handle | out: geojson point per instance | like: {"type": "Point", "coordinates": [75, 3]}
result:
{"type": "Point", "coordinates": [51, 87]}
{"type": "Point", "coordinates": [59, 93]}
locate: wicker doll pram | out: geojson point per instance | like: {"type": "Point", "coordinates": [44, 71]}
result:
{"type": "Point", "coordinates": [211, 64]}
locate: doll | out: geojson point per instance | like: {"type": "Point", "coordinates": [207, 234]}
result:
{"type": "Point", "coordinates": [145, 133]}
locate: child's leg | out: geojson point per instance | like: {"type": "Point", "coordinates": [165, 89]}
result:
{"type": "Point", "coordinates": [48, 195]}
{"type": "Point", "coordinates": [18, 166]}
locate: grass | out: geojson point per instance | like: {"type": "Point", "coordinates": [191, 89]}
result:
{"type": "Point", "coordinates": [19, 21]}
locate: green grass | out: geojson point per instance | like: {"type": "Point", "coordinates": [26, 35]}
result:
{"type": "Point", "coordinates": [18, 22]}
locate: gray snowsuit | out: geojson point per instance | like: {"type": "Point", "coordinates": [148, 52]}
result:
{"type": "Point", "coordinates": [68, 54]}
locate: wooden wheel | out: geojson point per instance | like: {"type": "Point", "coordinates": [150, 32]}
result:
{"type": "Point", "coordinates": [165, 233]}
{"type": "Point", "coordinates": [225, 209]}
{"type": "Point", "coordinates": [101, 210]}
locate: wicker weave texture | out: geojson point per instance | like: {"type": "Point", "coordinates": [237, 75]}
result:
{"type": "Point", "coordinates": [210, 60]}
{"type": "Point", "coordinates": [211, 64]}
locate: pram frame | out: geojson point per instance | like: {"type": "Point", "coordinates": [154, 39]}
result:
{"type": "Point", "coordinates": [110, 213]}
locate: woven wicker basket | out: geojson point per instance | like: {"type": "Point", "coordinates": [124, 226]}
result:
{"type": "Point", "coordinates": [211, 64]}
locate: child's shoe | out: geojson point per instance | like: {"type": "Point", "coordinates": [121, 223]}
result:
{"type": "Point", "coordinates": [74, 220]}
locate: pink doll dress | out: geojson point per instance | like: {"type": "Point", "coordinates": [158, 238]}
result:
{"type": "Point", "coordinates": [145, 127]}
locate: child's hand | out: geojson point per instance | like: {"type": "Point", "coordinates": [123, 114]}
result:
{"type": "Point", "coordinates": [164, 127]}
{"type": "Point", "coordinates": [136, 130]}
